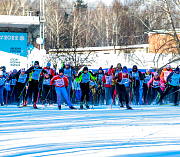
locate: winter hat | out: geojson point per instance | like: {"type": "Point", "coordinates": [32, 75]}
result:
{"type": "Point", "coordinates": [61, 70]}
{"type": "Point", "coordinates": [148, 70]}
{"type": "Point", "coordinates": [119, 65]}
{"type": "Point", "coordinates": [168, 66]}
{"type": "Point", "coordinates": [23, 70]}
{"type": "Point", "coordinates": [14, 71]}
{"type": "Point", "coordinates": [48, 64]}
{"type": "Point", "coordinates": [156, 74]}
{"type": "Point", "coordinates": [67, 64]}
{"type": "Point", "coordinates": [177, 69]}
{"type": "Point", "coordinates": [36, 63]}
{"type": "Point", "coordinates": [100, 68]}
{"type": "Point", "coordinates": [125, 67]}
{"type": "Point", "coordinates": [85, 68]}
{"type": "Point", "coordinates": [1, 72]}
{"type": "Point", "coordinates": [124, 71]}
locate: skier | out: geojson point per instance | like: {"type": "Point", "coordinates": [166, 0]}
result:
{"type": "Point", "coordinates": [100, 91]}
{"type": "Point", "coordinates": [147, 91]}
{"type": "Point", "coordinates": [47, 88]}
{"type": "Point", "coordinates": [113, 88]}
{"type": "Point", "coordinates": [61, 84]}
{"type": "Point", "coordinates": [13, 93]}
{"type": "Point", "coordinates": [76, 88]}
{"type": "Point", "coordinates": [84, 79]}
{"type": "Point", "coordinates": [118, 68]}
{"type": "Point", "coordinates": [46, 83]}
{"type": "Point", "coordinates": [136, 77]}
{"type": "Point", "coordinates": [34, 76]}
{"type": "Point", "coordinates": [156, 84]}
{"type": "Point", "coordinates": [2, 83]}
{"type": "Point", "coordinates": [165, 72]}
{"type": "Point", "coordinates": [21, 79]}
{"type": "Point", "coordinates": [69, 72]}
{"type": "Point", "coordinates": [122, 80]}
{"type": "Point", "coordinates": [107, 82]}
{"type": "Point", "coordinates": [173, 82]}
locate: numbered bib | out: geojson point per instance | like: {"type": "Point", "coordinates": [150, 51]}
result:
{"type": "Point", "coordinates": [59, 82]}
{"type": "Point", "coordinates": [67, 72]}
{"type": "Point", "coordinates": [85, 78]}
{"type": "Point", "coordinates": [135, 75]}
{"type": "Point", "coordinates": [156, 84]}
{"type": "Point", "coordinates": [147, 78]}
{"type": "Point", "coordinates": [13, 82]}
{"type": "Point", "coordinates": [108, 80]}
{"type": "Point", "coordinates": [22, 78]}
{"type": "Point", "coordinates": [166, 73]}
{"type": "Point", "coordinates": [2, 81]}
{"type": "Point", "coordinates": [175, 80]}
{"type": "Point", "coordinates": [125, 81]}
{"type": "Point", "coordinates": [36, 74]}
{"type": "Point", "coordinates": [46, 82]}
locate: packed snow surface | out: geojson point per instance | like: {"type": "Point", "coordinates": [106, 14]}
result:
{"type": "Point", "coordinates": [145, 131]}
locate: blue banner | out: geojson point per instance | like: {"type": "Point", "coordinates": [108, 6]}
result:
{"type": "Point", "coordinates": [15, 43]}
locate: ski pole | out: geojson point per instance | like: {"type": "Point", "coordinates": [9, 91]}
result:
{"type": "Point", "coordinates": [173, 92]}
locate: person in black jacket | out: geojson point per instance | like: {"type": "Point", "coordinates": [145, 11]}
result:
{"type": "Point", "coordinates": [136, 77]}
{"type": "Point", "coordinates": [147, 91]}
{"type": "Point", "coordinates": [173, 80]}
{"type": "Point", "coordinates": [34, 76]}
{"type": "Point", "coordinates": [21, 79]}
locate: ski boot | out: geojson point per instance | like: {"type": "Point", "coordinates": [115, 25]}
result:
{"type": "Point", "coordinates": [72, 107]}
{"type": "Point", "coordinates": [128, 107]}
{"type": "Point", "coordinates": [34, 105]}
{"type": "Point", "coordinates": [87, 104]}
{"type": "Point", "coordinates": [81, 105]}
{"type": "Point", "coordinates": [122, 106]}
{"type": "Point", "coordinates": [59, 107]}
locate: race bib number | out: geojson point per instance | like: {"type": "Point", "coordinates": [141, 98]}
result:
{"type": "Point", "coordinates": [109, 80]}
{"type": "Point", "coordinates": [166, 73]}
{"type": "Point", "coordinates": [147, 78]}
{"type": "Point", "coordinates": [156, 84]}
{"type": "Point", "coordinates": [175, 80]}
{"type": "Point", "coordinates": [2, 80]}
{"type": "Point", "coordinates": [13, 82]}
{"type": "Point", "coordinates": [46, 82]}
{"type": "Point", "coordinates": [135, 75]}
{"type": "Point", "coordinates": [36, 74]}
{"type": "Point", "coordinates": [85, 78]}
{"type": "Point", "coordinates": [59, 82]}
{"type": "Point", "coordinates": [22, 78]}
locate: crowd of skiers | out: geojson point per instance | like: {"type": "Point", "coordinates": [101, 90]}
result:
{"type": "Point", "coordinates": [117, 85]}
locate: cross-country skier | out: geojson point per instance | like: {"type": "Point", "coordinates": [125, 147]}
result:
{"type": "Point", "coordinates": [70, 73]}
{"type": "Point", "coordinates": [136, 77]}
{"type": "Point", "coordinates": [122, 80]}
{"type": "Point", "coordinates": [22, 79]}
{"type": "Point", "coordinates": [100, 91]}
{"type": "Point", "coordinates": [61, 83]}
{"type": "Point", "coordinates": [165, 72]}
{"type": "Point", "coordinates": [84, 79]}
{"type": "Point", "coordinates": [2, 84]}
{"type": "Point", "coordinates": [156, 84]}
{"type": "Point", "coordinates": [173, 82]}
{"type": "Point", "coordinates": [107, 82]}
{"type": "Point", "coordinates": [34, 76]}
{"type": "Point", "coordinates": [13, 93]}
{"type": "Point", "coordinates": [47, 89]}
{"type": "Point", "coordinates": [147, 91]}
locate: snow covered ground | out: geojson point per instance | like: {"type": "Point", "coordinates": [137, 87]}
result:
{"type": "Point", "coordinates": [146, 131]}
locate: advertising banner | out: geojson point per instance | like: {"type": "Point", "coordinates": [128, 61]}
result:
{"type": "Point", "coordinates": [15, 43]}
